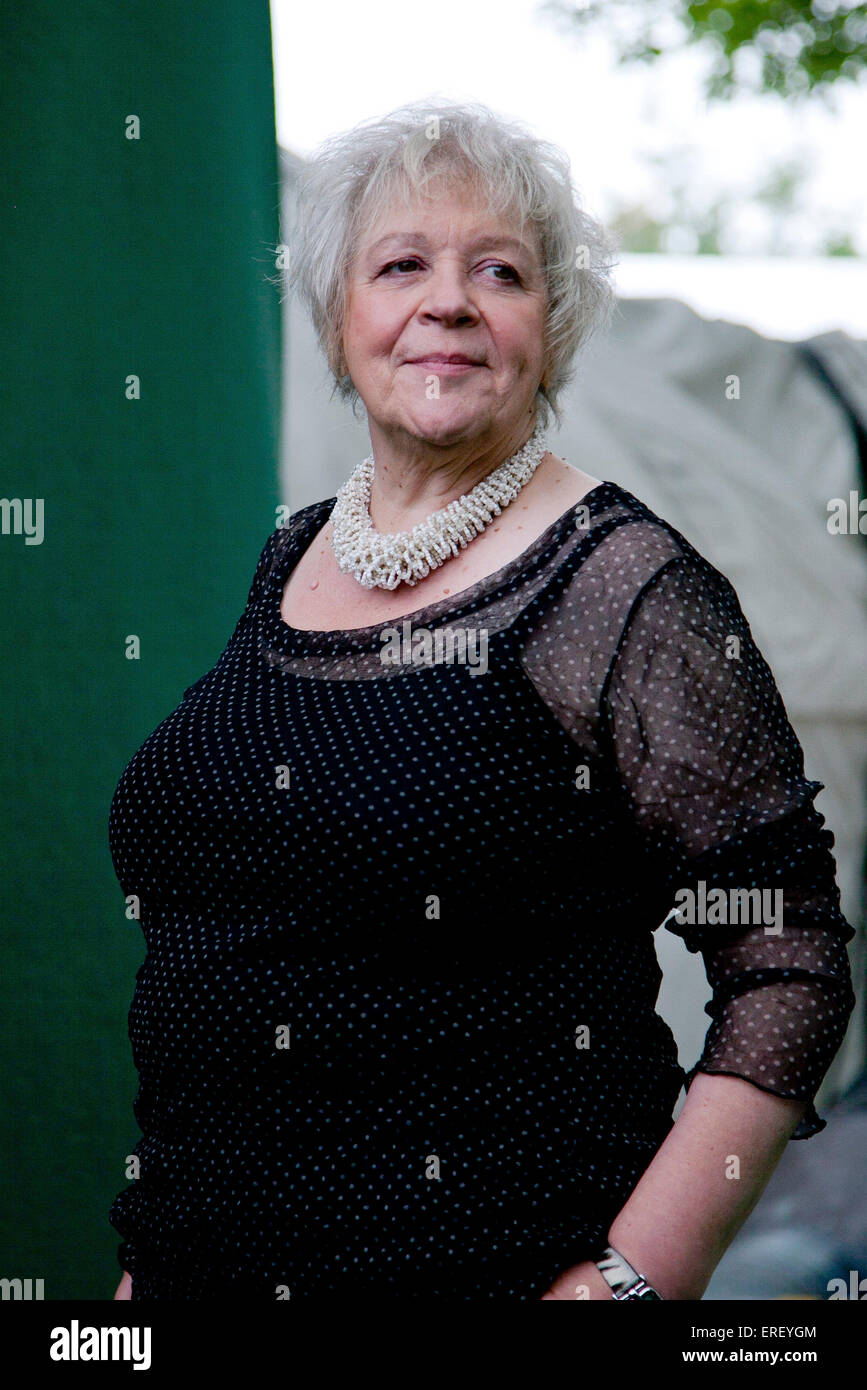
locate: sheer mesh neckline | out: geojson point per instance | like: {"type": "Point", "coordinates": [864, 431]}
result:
{"type": "Point", "coordinates": [452, 605]}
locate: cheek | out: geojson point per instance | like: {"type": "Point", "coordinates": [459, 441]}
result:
{"type": "Point", "coordinates": [520, 345]}
{"type": "Point", "coordinates": [371, 331]}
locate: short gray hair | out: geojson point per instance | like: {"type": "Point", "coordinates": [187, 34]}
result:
{"type": "Point", "coordinates": [353, 176]}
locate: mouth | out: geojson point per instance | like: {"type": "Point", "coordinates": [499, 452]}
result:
{"type": "Point", "coordinates": [438, 363]}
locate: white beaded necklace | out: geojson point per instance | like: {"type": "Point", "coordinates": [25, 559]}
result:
{"type": "Point", "coordinates": [383, 560]}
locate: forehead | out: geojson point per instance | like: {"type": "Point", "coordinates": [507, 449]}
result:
{"type": "Point", "coordinates": [455, 212]}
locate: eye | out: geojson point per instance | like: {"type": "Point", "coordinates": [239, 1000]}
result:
{"type": "Point", "coordinates": [408, 260]}
{"type": "Point", "coordinates": [501, 265]}
{"type": "Point", "coordinates": [511, 273]}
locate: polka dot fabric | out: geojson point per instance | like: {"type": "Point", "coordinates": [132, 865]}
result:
{"type": "Point", "coordinates": [395, 1028]}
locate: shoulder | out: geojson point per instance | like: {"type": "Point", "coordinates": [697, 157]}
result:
{"type": "Point", "coordinates": [623, 559]}
{"type": "Point", "coordinates": [636, 546]}
{"type": "Point", "coordinates": [304, 522]}
{"type": "Point", "coordinates": [286, 539]}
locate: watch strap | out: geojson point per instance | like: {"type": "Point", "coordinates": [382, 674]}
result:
{"type": "Point", "coordinates": [624, 1281]}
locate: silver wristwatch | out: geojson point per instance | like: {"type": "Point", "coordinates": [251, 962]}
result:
{"type": "Point", "coordinates": [624, 1281]}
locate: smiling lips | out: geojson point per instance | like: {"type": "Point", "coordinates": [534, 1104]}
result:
{"type": "Point", "coordinates": [443, 362]}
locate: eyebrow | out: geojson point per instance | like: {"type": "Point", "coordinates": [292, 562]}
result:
{"type": "Point", "coordinates": [486, 239]}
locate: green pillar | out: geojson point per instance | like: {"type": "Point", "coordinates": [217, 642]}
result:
{"type": "Point", "coordinates": [140, 381]}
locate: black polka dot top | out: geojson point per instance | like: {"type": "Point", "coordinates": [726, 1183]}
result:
{"type": "Point", "coordinates": [395, 1029]}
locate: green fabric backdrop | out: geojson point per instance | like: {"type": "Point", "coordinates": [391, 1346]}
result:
{"type": "Point", "coordinates": [144, 256]}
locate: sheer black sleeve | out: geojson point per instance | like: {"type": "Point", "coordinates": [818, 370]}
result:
{"type": "Point", "coordinates": [714, 776]}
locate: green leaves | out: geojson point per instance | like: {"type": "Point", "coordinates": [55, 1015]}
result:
{"type": "Point", "coordinates": [794, 48]}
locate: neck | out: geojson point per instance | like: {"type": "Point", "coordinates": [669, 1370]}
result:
{"type": "Point", "coordinates": [413, 477]}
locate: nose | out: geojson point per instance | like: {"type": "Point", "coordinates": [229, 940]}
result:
{"type": "Point", "coordinates": [447, 296]}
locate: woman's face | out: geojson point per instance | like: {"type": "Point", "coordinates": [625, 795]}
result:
{"type": "Point", "coordinates": [445, 278]}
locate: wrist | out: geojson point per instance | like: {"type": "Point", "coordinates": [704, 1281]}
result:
{"type": "Point", "coordinates": [627, 1284]}
{"type": "Point", "coordinates": [669, 1272]}
{"type": "Point", "coordinates": [590, 1276]}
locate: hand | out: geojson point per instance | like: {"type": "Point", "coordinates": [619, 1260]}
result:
{"type": "Point", "coordinates": [582, 1281]}
{"type": "Point", "coordinates": [124, 1288]}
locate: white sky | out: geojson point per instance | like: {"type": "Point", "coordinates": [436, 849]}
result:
{"type": "Point", "coordinates": [337, 64]}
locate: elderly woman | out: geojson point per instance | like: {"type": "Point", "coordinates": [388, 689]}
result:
{"type": "Point", "coordinates": [485, 723]}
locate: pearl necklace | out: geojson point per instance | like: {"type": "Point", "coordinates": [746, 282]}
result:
{"type": "Point", "coordinates": [383, 560]}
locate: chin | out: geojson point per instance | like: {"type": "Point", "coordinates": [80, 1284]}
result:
{"type": "Point", "coordinates": [446, 426]}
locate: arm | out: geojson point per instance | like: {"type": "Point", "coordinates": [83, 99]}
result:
{"type": "Point", "coordinates": [685, 1211]}
{"type": "Point", "coordinates": [713, 776]}
{"type": "Point", "coordinates": [124, 1288]}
